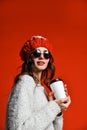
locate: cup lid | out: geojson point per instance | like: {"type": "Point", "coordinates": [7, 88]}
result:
{"type": "Point", "coordinates": [54, 80]}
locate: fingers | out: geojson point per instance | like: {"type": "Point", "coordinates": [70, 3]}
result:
{"type": "Point", "coordinates": [65, 89]}
{"type": "Point", "coordinates": [51, 96]}
{"type": "Point", "coordinates": [64, 100]}
{"type": "Point", "coordinates": [63, 103]}
{"type": "Point", "coordinates": [69, 100]}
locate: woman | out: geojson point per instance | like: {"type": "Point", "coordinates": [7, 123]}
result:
{"type": "Point", "coordinates": [29, 107]}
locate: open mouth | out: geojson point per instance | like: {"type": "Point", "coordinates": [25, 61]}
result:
{"type": "Point", "coordinates": [41, 63]}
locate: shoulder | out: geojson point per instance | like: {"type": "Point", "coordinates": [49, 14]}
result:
{"type": "Point", "coordinates": [26, 77]}
{"type": "Point", "coordinates": [25, 83]}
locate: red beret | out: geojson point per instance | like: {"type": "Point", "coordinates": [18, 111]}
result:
{"type": "Point", "coordinates": [33, 43]}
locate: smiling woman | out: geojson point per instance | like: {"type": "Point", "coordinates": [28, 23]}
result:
{"type": "Point", "coordinates": [29, 106]}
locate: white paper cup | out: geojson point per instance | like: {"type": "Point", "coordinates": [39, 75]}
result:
{"type": "Point", "coordinates": [57, 86]}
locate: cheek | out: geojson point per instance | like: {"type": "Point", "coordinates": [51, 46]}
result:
{"type": "Point", "coordinates": [47, 62]}
{"type": "Point", "coordinates": [34, 61]}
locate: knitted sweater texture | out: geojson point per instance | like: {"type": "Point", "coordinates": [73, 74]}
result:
{"type": "Point", "coordinates": [29, 109]}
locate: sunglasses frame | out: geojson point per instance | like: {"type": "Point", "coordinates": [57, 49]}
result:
{"type": "Point", "coordinates": [37, 53]}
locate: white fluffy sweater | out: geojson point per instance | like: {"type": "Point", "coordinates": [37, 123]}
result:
{"type": "Point", "coordinates": [29, 109]}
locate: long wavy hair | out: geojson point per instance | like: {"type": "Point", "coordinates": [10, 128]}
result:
{"type": "Point", "coordinates": [47, 74]}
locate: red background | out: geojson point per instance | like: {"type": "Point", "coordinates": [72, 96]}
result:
{"type": "Point", "coordinates": [64, 23]}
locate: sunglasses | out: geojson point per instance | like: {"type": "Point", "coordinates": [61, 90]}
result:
{"type": "Point", "coordinates": [37, 53]}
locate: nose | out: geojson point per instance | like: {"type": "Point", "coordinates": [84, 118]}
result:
{"type": "Point", "coordinates": [42, 55]}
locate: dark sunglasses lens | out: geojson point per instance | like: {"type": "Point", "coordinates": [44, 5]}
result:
{"type": "Point", "coordinates": [47, 55]}
{"type": "Point", "coordinates": [36, 53]}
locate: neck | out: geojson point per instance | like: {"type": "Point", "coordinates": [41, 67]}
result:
{"type": "Point", "coordinates": [38, 75]}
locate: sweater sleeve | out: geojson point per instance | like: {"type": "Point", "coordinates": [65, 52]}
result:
{"type": "Point", "coordinates": [20, 113]}
{"type": "Point", "coordinates": [58, 123]}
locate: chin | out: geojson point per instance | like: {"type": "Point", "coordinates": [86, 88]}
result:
{"type": "Point", "coordinates": [41, 68]}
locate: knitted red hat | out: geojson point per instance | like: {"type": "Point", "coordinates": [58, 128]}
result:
{"type": "Point", "coordinates": [33, 43]}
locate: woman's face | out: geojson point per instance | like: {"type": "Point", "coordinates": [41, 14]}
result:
{"type": "Point", "coordinates": [41, 58]}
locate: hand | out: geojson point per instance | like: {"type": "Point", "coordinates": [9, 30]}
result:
{"type": "Point", "coordinates": [63, 103]}
{"type": "Point", "coordinates": [65, 89]}
{"type": "Point", "coordinates": [51, 96]}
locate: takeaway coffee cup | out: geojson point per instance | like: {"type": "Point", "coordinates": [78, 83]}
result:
{"type": "Point", "coordinates": [57, 86]}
